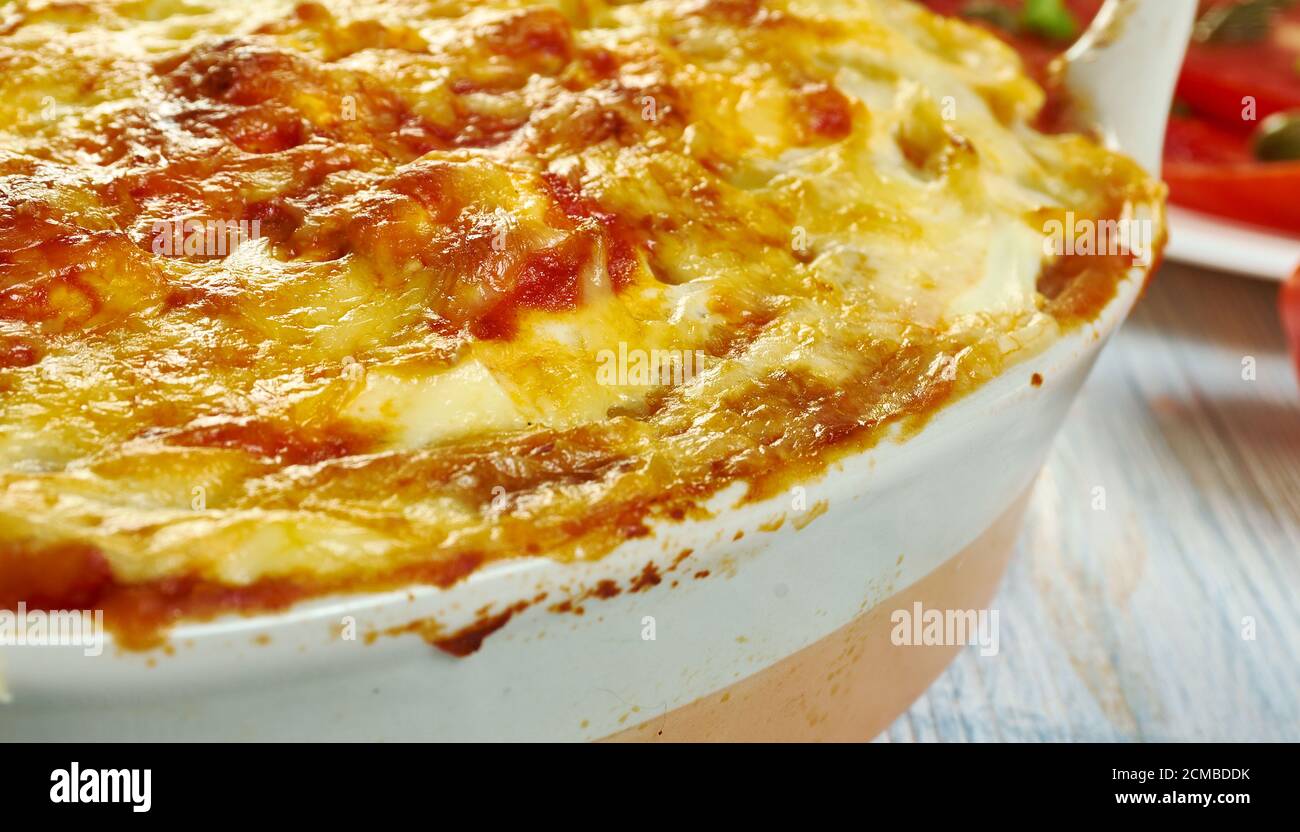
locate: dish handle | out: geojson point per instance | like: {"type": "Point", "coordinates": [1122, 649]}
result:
{"type": "Point", "coordinates": [1126, 65]}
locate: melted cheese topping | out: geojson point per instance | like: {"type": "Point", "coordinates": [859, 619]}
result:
{"type": "Point", "coordinates": [490, 278]}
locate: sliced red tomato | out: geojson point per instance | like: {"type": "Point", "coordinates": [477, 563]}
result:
{"type": "Point", "coordinates": [1214, 84]}
{"type": "Point", "coordinates": [1192, 140]}
{"type": "Point", "coordinates": [1244, 83]}
{"type": "Point", "coordinates": [1291, 313]}
{"type": "Point", "coordinates": [1211, 169]}
{"type": "Point", "coordinates": [1253, 193]}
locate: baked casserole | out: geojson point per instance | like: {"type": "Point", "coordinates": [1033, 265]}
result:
{"type": "Point", "coordinates": [308, 298]}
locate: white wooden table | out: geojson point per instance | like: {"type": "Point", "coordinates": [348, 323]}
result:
{"type": "Point", "coordinates": [1133, 621]}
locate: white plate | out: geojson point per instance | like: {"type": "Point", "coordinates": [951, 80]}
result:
{"type": "Point", "coordinates": [1201, 240]}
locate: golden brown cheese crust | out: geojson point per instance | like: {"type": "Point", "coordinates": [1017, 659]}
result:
{"type": "Point", "coordinates": [449, 225]}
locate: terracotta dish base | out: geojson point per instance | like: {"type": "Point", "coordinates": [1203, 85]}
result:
{"type": "Point", "coordinates": [849, 686]}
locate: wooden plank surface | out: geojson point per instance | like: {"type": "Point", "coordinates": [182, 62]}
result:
{"type": "Point", "coordinates": [1166, 523]}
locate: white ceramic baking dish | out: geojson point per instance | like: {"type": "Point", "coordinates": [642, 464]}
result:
{"type": "Point", "coordinates": [780, 634]}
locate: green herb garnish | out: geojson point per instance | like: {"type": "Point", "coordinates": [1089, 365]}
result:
{"type": "Point", "coordinates": [1050, 19]}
